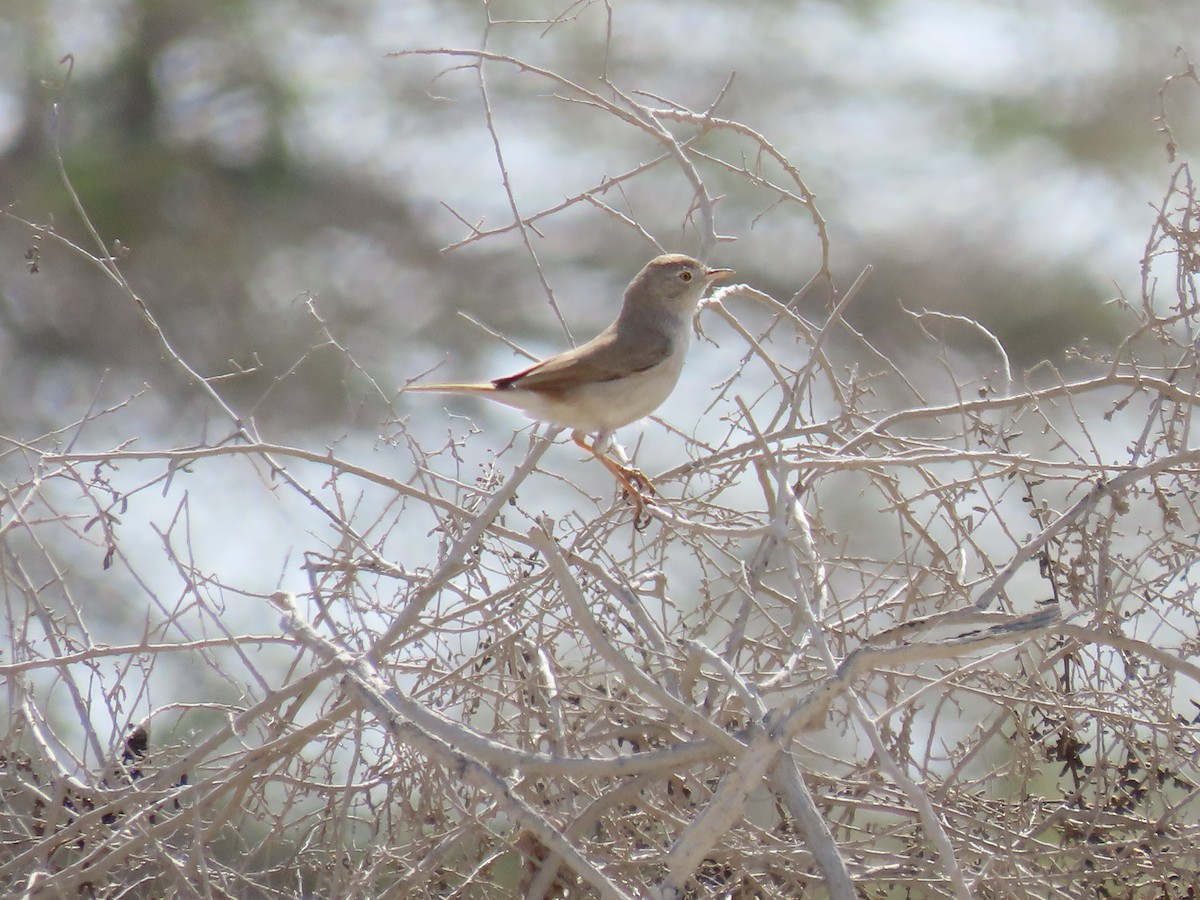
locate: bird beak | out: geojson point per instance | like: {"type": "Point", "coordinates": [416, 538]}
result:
{"type": "Point", "coordinates": [711, 275]}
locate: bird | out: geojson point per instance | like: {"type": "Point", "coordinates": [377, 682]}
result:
{"type": "Point", "coordinates": [621, 375]}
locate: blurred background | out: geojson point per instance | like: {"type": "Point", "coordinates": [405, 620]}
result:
{"type": "Point", "coordinates": [307, 217]}
{"type": "Point", "coordinates": [280, 183]}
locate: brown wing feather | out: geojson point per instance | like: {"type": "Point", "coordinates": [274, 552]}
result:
{"type": "Point", "coordinates": [591, 362]}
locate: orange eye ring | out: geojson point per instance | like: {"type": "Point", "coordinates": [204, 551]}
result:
{"type": "Point", "coordinates": [685, 276]}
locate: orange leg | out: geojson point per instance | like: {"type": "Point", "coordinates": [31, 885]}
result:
{"type": "Point", "coordinates": [636, 484]}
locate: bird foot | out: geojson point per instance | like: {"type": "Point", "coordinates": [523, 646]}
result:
{"type": "Point", "coordinates": [639, 489]}
{"type": "Point", "coordinates": [634, 483]}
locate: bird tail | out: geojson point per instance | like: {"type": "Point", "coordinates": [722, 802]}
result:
{"type": "Point", "coordinates": [485, 387]}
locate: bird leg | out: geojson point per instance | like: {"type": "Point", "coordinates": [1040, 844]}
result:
{"type": "Point", "coordinates": [635, 483]}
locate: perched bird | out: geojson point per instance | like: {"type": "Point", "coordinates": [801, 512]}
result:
{"type": "Point", "coordinates": [617, 377]}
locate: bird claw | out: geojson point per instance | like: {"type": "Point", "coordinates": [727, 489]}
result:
{"type": "Point", "coordinates": [641, 518]}
{"type": "Point", "coordinates": [640, 490]}
{"type": "Point", "coordinates": [635, 485]}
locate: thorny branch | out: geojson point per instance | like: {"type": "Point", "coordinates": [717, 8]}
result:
{"type": "Point", "coordinates": [865, 643]}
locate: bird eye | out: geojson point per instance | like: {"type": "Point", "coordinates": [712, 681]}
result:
{"type": "Point", "coordinates": [685, 276]}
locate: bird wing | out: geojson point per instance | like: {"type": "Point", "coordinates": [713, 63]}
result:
{"type": "Point", "coordinates": [594, 361]}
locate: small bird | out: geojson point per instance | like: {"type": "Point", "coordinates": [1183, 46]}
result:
{"type": "Point", "coordinates": [617, 377]}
